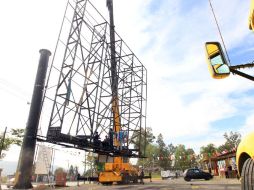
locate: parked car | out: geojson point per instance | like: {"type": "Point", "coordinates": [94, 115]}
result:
{"type": "Point", "coordinates": [194, 173]}
{"type": "Point", "coordinates": [168, 174]}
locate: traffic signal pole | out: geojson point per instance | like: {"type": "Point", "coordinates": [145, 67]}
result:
{"type": "Point", "coordinates": [29, 141]}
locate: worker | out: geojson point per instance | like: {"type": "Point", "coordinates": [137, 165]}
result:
{"type": "Point", "coordinates": [96, 139]}
{"type": "Point", "coordinates": [176, 174]}
{"type": "Point", "coordinates": [120, 139]}
{"type": "Point", "coordinates": [150, 175]}
{"type": "Point", "coordinates": [78, 178]}
{"type": "Point", "coordinates": [142, 177]}
{"type": "Point", "coordinates": [105, 142]}
{"type": "Point", "coordinates": [123, 172]}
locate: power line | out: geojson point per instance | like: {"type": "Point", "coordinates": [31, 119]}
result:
{"type": "Point", "coordinates": [12, 89]}
{"type": "Point", "coordinates": [218, 27]}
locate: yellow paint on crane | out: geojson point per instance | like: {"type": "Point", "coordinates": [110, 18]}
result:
{"type": "Point", "coordinates": [251, 16]}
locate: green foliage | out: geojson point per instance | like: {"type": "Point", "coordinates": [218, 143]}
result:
{"type": "Point", "coordinates": [4, 179]}
{"type": "Point", "coordinates": [71, 171]}
{"type": "Point", "coordinates": [232, 141]}
{"type": "Point", "coordinates": [90, 164]}
{"type": "Point", "coordinates": [14, 137]}
{"type": "Point", "coordinates": [208, 150]}
{"type": "Point", "coordinates": [163, 153]}
{"type": "Point", "coordinates": [159, 156]}
{"type": "Point", "coordinates": [89, 173]}
{"type": "Point", "coordinates": [160, 142]}
{"type": "Point", "coordinates": [171, 149]}
{"type": "Point", "coordinates": [18, 135]}
{"type": "Point", "coordinates": [151, 151]}
{"type": "Point", "coordinates": [184, 158]}
{"type": "Point", "coordinates": [148, 148]}
{"type": "Point", "coordinates": [143, 142]}
{"type": "Point", "coordinates": [149, 135]}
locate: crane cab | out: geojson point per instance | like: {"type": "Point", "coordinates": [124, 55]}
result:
{"type": "Point", "coordinates": [116, 169]}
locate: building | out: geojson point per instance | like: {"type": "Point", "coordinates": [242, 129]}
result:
{"type": "Point", "coordinates": [222, 164]}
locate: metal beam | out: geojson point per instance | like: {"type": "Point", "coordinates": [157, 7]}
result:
{"type": "Point", "coordinates": [241, 74]}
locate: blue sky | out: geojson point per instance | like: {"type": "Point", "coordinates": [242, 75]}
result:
{"type": "Point", "coordinates": [184, 103]}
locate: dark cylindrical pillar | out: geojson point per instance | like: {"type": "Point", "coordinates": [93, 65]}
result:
{"type": "Point", "coordinates": [29, 141]}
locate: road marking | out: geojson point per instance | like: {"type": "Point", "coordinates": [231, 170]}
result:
{"type": "Point", "coordinates": [194, 187]}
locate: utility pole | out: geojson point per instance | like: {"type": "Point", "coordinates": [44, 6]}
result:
{"type": "Point", "coordinates": [29, 142]}
{"type": "Point", "coordinates": [2, 142]}
{"type": "Point", "coordinates": [2, 146]}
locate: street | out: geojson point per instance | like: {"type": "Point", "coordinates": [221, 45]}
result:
{"type": "Point", "coordinates": [175, 184]}
{"type": "Point", "coordinates": [157, 184]}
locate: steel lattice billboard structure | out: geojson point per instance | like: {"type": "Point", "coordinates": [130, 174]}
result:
{"type": "Point", "coordinates": [79, 93]}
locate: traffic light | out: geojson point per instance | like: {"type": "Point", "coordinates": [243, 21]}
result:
{"type": "Point", "coordinates": [251, 17]}
{"type": "Point", "coordinates": [216, 61]}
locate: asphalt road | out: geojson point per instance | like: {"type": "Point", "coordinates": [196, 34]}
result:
{"type": "Point", "coordinates": [175, 184]}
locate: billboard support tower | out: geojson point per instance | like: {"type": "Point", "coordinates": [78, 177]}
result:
{"type": "Point", "coordinates": [29, 141]}
{"type": "Point", "coordinates": [96, 84]}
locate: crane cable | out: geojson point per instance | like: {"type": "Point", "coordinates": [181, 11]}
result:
{"type": "Point", "coordinates": [218, 27]}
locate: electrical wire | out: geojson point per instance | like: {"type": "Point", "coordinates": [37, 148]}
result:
{"type": "Point", "coordinates": [218, 27]}
{"type": "Point", "coordinates": [14, 90]}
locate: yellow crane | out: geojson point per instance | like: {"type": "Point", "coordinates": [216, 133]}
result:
{"type": "Point", "coordinates": [115, 169]}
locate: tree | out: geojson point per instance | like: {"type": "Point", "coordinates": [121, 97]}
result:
{"type": "Point", "coordinates": [149, 161]}
{"type": "Point", "coordinates": [76, 172]}
{"type": "Point", "coordinates": [14, 137]}
{"type": "Point", "coordinates": [147, 137]}
{"type": "Point", "coordinates": [59, 170]}
{"type": "Point", "coordinates": [191, 161]}
{"type": "Point", "coordinates": [163, 153]}
{"type": "Point", "coordinates": [181, 158]}
{"type": "Point", "coordinates": [146, 146]}
{"type": "Point", "coordinates": [171, 149]}
{"type": "Point", "coordinates": [171, 154]}
{"type": "Point", "coordinates": [208, 151]}
{"type": "Point", "coordinates": [232, 141]}
{"type": "Point", "coordinates": [90, 162]}
{"type": "Point", "coordinates": [70, 172]}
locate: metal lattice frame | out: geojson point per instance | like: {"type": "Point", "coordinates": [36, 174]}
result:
{"type": "Point", "coordinates": [82, 97]}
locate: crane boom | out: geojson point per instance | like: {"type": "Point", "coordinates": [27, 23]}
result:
{"type": "Point", "coordinates": [120, 170]}
{"type": "Point", "coordinates": [114, 77]}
